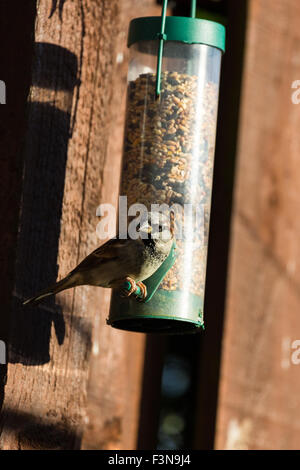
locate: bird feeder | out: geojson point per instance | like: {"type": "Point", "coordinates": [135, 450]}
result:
{"type": "Point", "coordinates": [169, 145]}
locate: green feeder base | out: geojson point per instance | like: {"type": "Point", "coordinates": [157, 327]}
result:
{"type": "Point", "coordinates": [162, 311]}
{"type": "Point", "coordinates": [169, 312]}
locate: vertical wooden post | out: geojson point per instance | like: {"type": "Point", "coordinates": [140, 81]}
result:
{"type": "Point", "coordinates": [114, 390]}
{"type": "Point", "coordinates": [210, 342]}
{"type": "Point", "coordinates": [66, 170]}
{"type": "Point", "coordinates": [259, 399]}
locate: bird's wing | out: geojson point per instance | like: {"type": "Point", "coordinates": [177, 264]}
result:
{"type": "Point", "coordinates": [111, 250]}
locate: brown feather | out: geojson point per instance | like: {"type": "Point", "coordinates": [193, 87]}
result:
{"type": "Point", "coordinates": [107, 252]}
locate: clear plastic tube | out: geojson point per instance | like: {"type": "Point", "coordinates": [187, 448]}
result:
{"type": "Point", "coordinates": [168, 159]}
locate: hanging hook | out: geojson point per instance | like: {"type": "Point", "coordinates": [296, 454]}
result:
{"type": "Point", "coordinates": [162, 37]}
{"type": "Point", "coordinates": [193, 8]}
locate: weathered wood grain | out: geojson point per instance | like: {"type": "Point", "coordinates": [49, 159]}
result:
{"type": "Point", "coordinates": [259, 398]}
{"type": "Point", "coordinates": [69, 169]}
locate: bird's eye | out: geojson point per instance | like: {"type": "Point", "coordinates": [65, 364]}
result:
{"type": "Point", "coordinates": [160, 229]}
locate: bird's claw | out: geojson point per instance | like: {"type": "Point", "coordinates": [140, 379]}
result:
{"type": "Point", "coordinates": [137, 289]}
{"type": "Point", "coordinates": [129, 287]}
{"type": "Point", "coordinates": [143, 291]}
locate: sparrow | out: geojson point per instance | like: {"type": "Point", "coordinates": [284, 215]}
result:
{"type": "Point", "coordinates": [120, 261]}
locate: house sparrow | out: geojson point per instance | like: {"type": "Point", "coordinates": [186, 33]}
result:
{"type": "Point", "coordinates": [121, 262]}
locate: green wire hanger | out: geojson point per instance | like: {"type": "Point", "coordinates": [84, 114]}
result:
{"type": "Point", "coordinates": [163, 37]}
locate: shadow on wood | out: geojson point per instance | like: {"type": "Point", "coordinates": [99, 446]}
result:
{"type": "Point", "coordinates": [35, 434]}
{"type": "Point", "coordinates": [45, 156]}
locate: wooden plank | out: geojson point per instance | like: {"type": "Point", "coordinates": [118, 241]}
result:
{"type": "Point", "coordinates": [115, 390]}
{"type": "Point", "coordinates": [259, 398]}
{"type": "Point", "coordinates": [209, 358]}
{"type": "Point", "coordinates": [66, 159]}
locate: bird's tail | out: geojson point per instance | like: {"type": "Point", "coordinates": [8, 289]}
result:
{"type": "Point", "coordinates": [65, 283]}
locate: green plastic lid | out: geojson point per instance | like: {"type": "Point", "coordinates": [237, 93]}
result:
{"type": "Point", "coordinates": [178, 28]}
